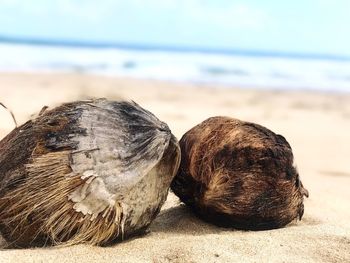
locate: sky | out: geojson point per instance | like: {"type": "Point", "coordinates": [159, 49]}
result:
{"type": "Point", "coordinates": [299, 26]}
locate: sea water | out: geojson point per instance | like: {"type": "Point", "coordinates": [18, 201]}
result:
{"type": "Point", "coordinates": [231, 69]}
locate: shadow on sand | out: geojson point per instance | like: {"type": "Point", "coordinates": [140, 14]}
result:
{"type": "Point", "coordinates": [180, 219]}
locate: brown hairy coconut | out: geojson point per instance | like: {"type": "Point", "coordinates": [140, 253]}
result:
{"type": "Point", "coordinates": [239, 174]}
{"type": "Point", "coordinates": [85, 172]}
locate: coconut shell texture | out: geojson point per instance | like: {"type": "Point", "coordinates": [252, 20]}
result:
{"type": "Point", "coordinates": [85, 172]}
{"type": "Point", "coordinates": [239, 174]}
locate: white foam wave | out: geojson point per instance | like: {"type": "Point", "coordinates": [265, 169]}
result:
{"type": "Point", "coordinates": [233, 70]}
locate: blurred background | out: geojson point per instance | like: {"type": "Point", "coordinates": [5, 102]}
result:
{"type": "Point", "coordinates": [301, 44]}
{"type": "Point", "coordinates": [283, 64]}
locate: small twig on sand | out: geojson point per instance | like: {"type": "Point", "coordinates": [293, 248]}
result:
{"type": "Point", "coordinates": [13, 116]}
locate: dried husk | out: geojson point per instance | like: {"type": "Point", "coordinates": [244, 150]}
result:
{"type": "Point", "coordinates": [239, 174]}
{"type": "Point", "coordinates": [85, 172]}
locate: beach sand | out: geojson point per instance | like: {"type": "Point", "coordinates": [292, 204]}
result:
{"type": "Point", "coordinates": [317, 125]}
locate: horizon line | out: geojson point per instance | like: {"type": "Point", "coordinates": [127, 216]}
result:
{"type": "Point", "coordinates": [34, 41]}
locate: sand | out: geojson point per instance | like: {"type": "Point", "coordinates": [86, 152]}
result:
{"type": "Point", "coordinates": [317, 125]}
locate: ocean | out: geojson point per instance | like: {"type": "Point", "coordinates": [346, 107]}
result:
{"type": "Point", "coordinates": [224, 68]}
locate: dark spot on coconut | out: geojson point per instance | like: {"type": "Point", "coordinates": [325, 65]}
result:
{"type": "Point", "coordinates": [301, 211]}
{"type": "Point", "coordinates": [291, 173]}
{"type": "Point", "coordinates": [281, 140]}
{"type": "Point", "coordinates": [87, 154]}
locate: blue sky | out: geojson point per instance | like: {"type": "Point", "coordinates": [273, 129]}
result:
{"type": "Point", "coordinates": [307, 26]}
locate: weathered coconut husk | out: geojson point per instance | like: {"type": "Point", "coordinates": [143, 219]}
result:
{"type": "Point", "coordinates": [239, 174]}
{"type": "Point", "coordinates": [85, 172]}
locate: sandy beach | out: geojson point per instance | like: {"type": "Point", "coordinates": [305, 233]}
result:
{"type": "Point", "coordinates": [316, 125]}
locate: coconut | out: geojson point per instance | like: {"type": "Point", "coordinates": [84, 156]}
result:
{"type": "Point", "coordinates": [239, 174]}
{"type": "Point", "coordinates": [90, 172]}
